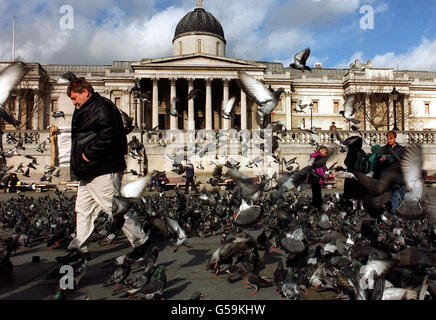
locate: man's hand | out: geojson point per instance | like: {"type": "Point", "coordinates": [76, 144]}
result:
{"type": "Point", "coordinates": [383, 159]}
{"type": "Point", "coordinates": [85, 158]}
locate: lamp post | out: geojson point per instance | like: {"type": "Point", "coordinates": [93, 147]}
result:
{"type": "Point", "coordinates": [395, 94]}
{"type": "Point", "coordinates": [135, 91]}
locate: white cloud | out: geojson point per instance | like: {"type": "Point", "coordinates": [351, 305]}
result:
{"type": "Point", "coordinates": [420, 58]}
{"type": "Point", "coordinates": [147, 39]}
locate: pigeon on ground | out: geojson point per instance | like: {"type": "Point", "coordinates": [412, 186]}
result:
{"type": "Point", "coordinates": [10, 77]}
{"type": "Point", "coordinates": [300, 60]}
{"type": "Point", "coordinates": [266, 99]}
{"type": "Point", "coordinates": [247, 214]}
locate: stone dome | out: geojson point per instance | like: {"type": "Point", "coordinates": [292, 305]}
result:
{"type": "Point", "coordinates": [199, 21]}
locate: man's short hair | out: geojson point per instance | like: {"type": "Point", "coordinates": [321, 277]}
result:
{"type": "Point", "coordinates": [333, 122]}
{"type": "Point", "coordinates": [392, 133]}
{"type": "Point", "coordinates": [79, 85]}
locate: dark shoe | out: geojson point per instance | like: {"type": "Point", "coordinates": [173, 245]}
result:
{"type": "Point", "coordinates": [139, 252]}
{"type": "Point", "coordinates": [74, 256]}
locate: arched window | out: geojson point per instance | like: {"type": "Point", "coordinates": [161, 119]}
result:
{"type": "Point", "coordinates": [199, 45]}
{"type": "Point", "coordinates": [180, 48]}
{"type": "Point", "coordinates": [218, 48]}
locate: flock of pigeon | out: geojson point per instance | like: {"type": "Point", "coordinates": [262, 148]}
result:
{"type": "Point", "coordinates": [353, 249]}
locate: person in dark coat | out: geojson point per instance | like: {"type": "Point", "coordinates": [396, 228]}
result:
{"type": "Point", "coordinates": [352, 187]}
{"type": "Point", "coordinates": [98, 147]}
{"type": "Point", "coordinates": [189, 171]}
{"type": "Point", "coordinates": [388, 155]}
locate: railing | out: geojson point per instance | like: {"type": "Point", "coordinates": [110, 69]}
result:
{"type": "Point", "coordinates": [34, 137]}
{"type": "Point", "coordinates": [292, 136]}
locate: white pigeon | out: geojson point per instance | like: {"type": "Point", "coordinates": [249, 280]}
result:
{"type": "Point", "coordinates": [135, 189]}
{"type": "Point", "coordinates": [300, 107]}
{"type": "Point", "coordinates": [416, 201]}
{"type": "Point", "coordinates": [173, 109]}
{"type": "Point", "coordinates": [265, 98]}
{"type": "Point", "coordinates": [302, 127]}
{"type": "Point", "coordinates": [227, 114]}
{"type": "Point", "coordinates": [10, 77]}
{"type": "Point", "coordinates": [350, 107]}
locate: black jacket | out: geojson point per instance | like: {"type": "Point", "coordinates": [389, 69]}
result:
{"type": "Point", "coordinates": [97, 131]}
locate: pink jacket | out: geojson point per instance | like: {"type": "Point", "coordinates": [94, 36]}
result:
{"type": "Point", "coordinates": [319, 170]}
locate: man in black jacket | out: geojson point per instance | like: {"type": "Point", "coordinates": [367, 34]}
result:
{"type": "Point", "coordinates": [388, 155]}
{"type": "Point", "coordinates": [98, 147]}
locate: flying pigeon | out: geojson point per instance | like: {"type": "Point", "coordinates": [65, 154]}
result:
{"type": "Point", "coordinates": [300, 60]}
{"type": "Point", "coordinates": [265, 98]}
{"type": "Point", "coordinates": [302, 127]}
{"type": "Point", "coordinates": [349, 109]}
{"type": "Point", "coordinates": [58, 114]}
{"type": "Point", "coordinates": [416, 202]}
{"type": "Point", "coordinates": [173, 109]}
{"type": "Point", "coordinates": [67, 77]}
{"type": "Point", "coordinates": [9, 79]}
{"type": "Point", "coordinates": [227, 114]}
{"type": "Point", "coordinates": [300, 107]}
{"type": "Point", "coordinates": [195, 93]}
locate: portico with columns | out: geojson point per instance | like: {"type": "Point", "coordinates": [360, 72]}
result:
{"type": "Point", "coordinates": [175, 77]}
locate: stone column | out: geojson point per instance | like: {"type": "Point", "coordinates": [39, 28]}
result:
{"type": "Point", "coordinates": [173, 120]}
{"type": "Point", "coordinates": [191, 118]}
{"type": "Point", "coordinates": [226, 123]}
{"type": "Point", "coordinates": [208, 115]}
{"type": "Point", "coordinates": [36, 115]}
{"type": "Point", "coordinates": [243, 110]}
{"type": "Point", "coordinates": [288, 111]}
{"type": "Point", "coordinates": [155, 103]}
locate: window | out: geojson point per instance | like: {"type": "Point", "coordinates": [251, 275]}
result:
{"type": "Point", "coordinates": [427, 107]}
{"type": "Point", "coordinates": [217, 48]}
{"type": "Point", "coordinates": [199, 45]}
{"type": "Point", "coordinates": [180, 48]}
{"type": "Point", "coordinates": [54, 105]}
{"type": "Point", "coordinates": [12, 103]}
{"type": "Point", "coordinates": [336, 107]}
{"type": "Point", "coordinates": [315, 106]}
{"type": "Point", "coordinates": [118, 102]}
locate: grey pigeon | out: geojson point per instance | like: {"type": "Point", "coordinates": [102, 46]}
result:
{"type": "Point", "coordinates": [300, 60]}
{"type": "Point", "coordinates": [58, 114]}
{"type": "Point", "coordinates": [67, 77]}
{"type": "Point", "coordinates": [266, 99]}
{"type": "Point", "coordinates": [350, 108]}
{"type": "Point", "coordinates": [10, 77]}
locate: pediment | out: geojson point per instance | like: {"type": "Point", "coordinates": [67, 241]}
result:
{"type": "Point", "coordinates": [199, 61]}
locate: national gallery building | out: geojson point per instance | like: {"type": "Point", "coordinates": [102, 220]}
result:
{"type": "Point", "coordinates": [144, 89]}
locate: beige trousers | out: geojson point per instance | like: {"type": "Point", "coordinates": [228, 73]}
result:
{"type": "Point", "coordinates": [96, 195]}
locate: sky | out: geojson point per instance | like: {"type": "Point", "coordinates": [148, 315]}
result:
{"type": "Point", "coordinates": [399, 34]}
